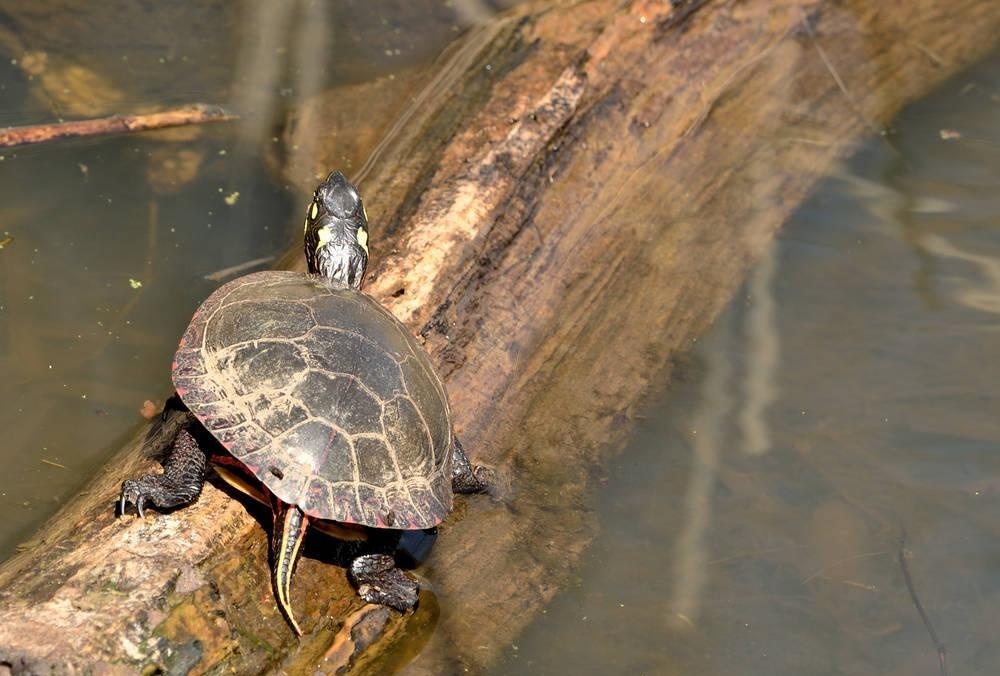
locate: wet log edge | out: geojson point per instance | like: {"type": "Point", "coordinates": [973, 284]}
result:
{"type": "Point", "coordinates": [551, 290]}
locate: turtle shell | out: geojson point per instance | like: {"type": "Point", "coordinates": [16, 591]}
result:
{"type": "Point", "coordinates": [325, 396]}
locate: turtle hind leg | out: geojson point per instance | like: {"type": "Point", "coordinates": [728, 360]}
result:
{"type": "Point", "coordinates": [469, 478]}
{"type": "Point", "coordinates": [179, 485]}
{"type": "Point", "coordinates": [378, 580]}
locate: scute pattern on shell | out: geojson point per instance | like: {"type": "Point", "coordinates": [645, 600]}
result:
{"type": "Point", "coordinates": [324, 395]}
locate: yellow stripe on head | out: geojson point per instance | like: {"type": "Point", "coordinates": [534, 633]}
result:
{"type": "Point", "coordinates": [324, 235]}
{"type": "Point", "coordinates": [363, 238]}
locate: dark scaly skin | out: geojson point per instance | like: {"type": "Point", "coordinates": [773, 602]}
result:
{"type": "Point", "coordinates": [179, 485]}
{"type": "Point", "coordinates": [466, 477]}
{"type": "Point", "coordinates": [378, 580]}
{"type": "Point", "coordinates": [340, 209]}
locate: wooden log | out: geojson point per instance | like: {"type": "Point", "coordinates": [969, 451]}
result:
{"type": "Point", "coordinates": [569, 212]}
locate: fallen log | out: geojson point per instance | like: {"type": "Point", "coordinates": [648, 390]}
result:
{"type": "Point", "coordinates": [557, 225]}
{"type": "Point", "coordinates": [195, 113]}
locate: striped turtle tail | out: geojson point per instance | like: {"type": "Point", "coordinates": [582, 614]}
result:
{"type": "Point", "coordinates": [290, 525]}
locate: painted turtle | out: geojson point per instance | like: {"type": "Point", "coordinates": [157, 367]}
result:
{"type": "Point", "coordinates": [310, 396]}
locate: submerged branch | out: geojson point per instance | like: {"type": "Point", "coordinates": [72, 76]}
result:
{"type": "Point", "coordinates": [196, 113]}
{"type": "Point", "coordinates": [942, 651]}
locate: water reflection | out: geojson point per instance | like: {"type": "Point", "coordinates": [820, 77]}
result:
{"type": "Point", "coordinates": [826, 460]}
{"type": "Point", "coordinates": [763, 350]}
{"type": "Point", "coordinates": [716, 402]}
{"type": "Point", "coordinates": [979, 294]}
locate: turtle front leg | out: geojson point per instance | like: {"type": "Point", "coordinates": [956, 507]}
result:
{"type": "Point", "coordinates": [378, 580]}
{"type": "Point", "coordinates": [181, 481]}
{"type": "Point", "coordinates": [469, 478]}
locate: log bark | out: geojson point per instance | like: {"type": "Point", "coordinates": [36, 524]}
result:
{"type": "Point", "coordinates": [558, 220]}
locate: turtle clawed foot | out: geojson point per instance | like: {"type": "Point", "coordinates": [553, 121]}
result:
{"type": "Point", "coordinates": [490, 481]}
{"type": "Point", "coordinates": [378, 580]}
{"type": "Point", "coordinates": [136, 492]}
{"type": "Point", "coordinates": [484, 479]}
{"type": "Point", "coordinates": [478, 479]}
{"type": "Point", "coordinates": [469, 478]}
{"type": "Point", "coordinates": [157, 490]}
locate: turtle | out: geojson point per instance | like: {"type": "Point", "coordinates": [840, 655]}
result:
{"type": "Point", "coordinates": [304, 392]}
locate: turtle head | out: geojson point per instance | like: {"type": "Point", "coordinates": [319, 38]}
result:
{"type": "Point", "coordinates": [336, 232]}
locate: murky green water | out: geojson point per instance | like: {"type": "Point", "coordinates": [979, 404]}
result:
{"type": "Point", "coordinates": [843, 412]}
{"type": "Point", "coordinates": [108, 243]}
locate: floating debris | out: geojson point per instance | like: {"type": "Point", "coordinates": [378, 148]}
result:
{"type": "Point", "coordinates": [149, 409]}
{"type": "Point", "coordinates": [134, 283]}
{"type": "Point", "coordinates": [53, 463]}
{"type": "Point", "coordinates": [232, 197]}
{"type": "Point", "coordinates": [5, 241]}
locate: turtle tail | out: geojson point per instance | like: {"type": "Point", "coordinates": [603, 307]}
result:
{"type": "Point", "coordinates": [290, 525]}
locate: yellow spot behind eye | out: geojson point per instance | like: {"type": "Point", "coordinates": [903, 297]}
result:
{"type": "Point", "coordinates": [324, 236]}
{"type": "Point", "coordinates": [363, 239]}
{"type": "Point", "coordinates": [313, 211]}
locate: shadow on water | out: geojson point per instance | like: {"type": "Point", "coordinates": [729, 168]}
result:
{"type": "Point", "coordinates": [826, 460]}
{"type": "Point", "coordinates": [107, 245]}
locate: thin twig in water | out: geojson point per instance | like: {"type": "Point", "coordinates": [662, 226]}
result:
{"type": "Point", "coordinates": [934, 58]}
{"type": "Point", "coordinates": [54, 464]}
{"type": "Point", "coordinates": [855, 557]}
{"type": "Point", "coordinates": [116, 124]}
{"type": "Point", "coordinates": [219, 275]}
{"type": "Point", "coordinates": [908, 579]}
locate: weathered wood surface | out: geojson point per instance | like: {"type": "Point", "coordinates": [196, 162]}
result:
{"type": "Point", "coordinates": [577, 208]}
